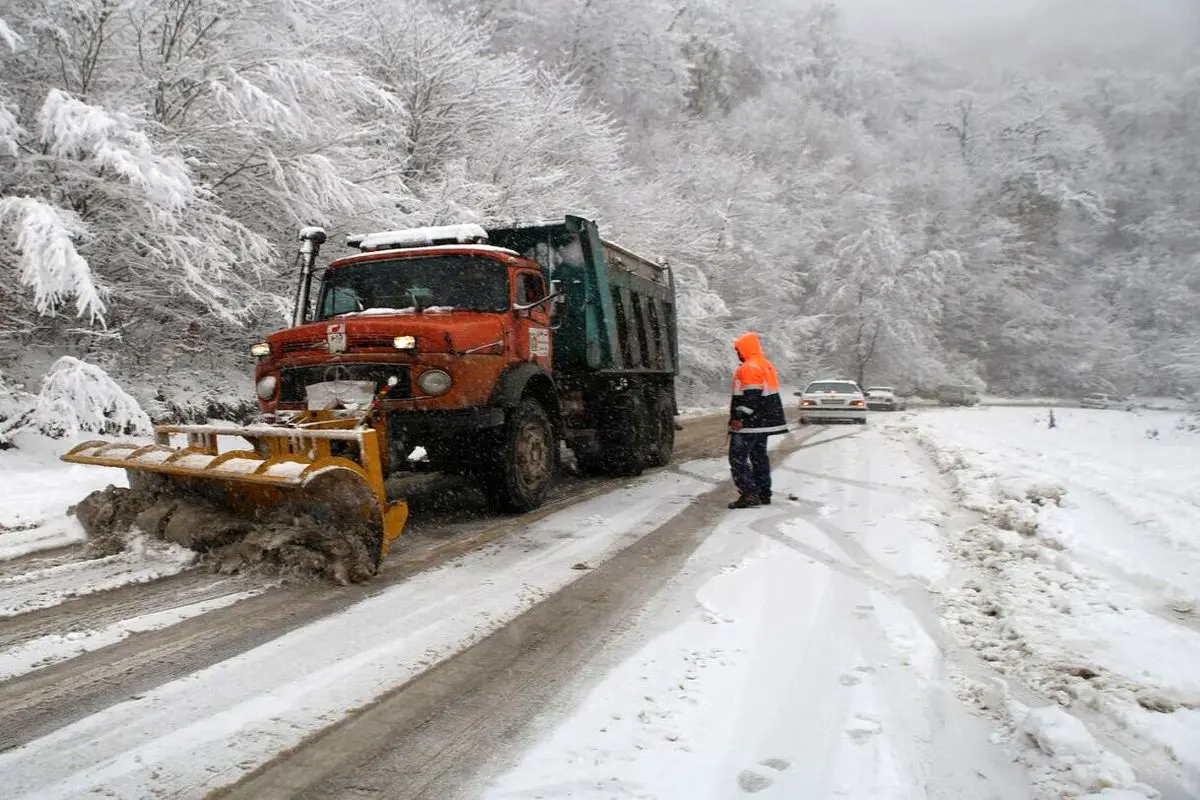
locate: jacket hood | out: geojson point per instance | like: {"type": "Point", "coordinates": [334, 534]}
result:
{"type": "Point", "coordinates": [748, 346]}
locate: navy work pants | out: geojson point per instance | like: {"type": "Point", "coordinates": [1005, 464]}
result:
{"type": "Point", "coordinates": [749, 463]}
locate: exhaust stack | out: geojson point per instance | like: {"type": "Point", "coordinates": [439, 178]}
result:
{"type": "Point", "coordinates": [311, 240]}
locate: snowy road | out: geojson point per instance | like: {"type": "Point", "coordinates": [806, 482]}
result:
{"type": "Point", "coordinates": [797, 654]}
{"type": "Point", "coordinates": [954, 605]}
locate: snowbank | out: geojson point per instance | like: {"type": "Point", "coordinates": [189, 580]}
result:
{"type": "Point", "coordinates": [38, 490]}
{"type": "Point", "coordinates": [1082, 568]}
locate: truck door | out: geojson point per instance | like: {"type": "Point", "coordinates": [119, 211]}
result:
{"type": "Point", "coordinates": [533, 324]}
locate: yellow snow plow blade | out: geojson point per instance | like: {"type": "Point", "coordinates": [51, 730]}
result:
{"type": "Point", "coordinates": [290, 470]}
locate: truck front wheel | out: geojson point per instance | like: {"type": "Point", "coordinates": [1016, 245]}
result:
{"type": "Point", "coordinates": [523, 461]}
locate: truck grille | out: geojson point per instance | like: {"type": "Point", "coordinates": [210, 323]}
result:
{"type": "Point", "coordinates": [362, 340]}
{"type": "Point", "coordinates": [356, 341]}
{"type": "Point", "coordinates": [292, 347]}
{"type": "Point", "coordinates": [294, 380]}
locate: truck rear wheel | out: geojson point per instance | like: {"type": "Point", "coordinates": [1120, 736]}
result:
{"type": "Point", "coordinates": [621, 439]}
{"type": "Point", "coordinates": [663, 427]}
{"type": "Point", "coordinates": [522, 464]}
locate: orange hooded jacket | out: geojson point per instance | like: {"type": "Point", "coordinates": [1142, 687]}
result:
{"type": "Point", "coordinates": [756, 402]}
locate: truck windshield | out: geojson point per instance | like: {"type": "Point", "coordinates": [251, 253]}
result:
{"type": "Point", "coordinates": [409, 285]}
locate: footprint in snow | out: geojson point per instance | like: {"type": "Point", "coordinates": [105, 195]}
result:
{"type": "Point", "coordinates": [862, 728]}
{"type": "Point", "coordinates": [752, 781]}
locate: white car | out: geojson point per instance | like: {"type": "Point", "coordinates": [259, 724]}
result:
{"type": "Point", "coordinates": [832, 401]}
{"type": "Point", "coordinates": [884, 398]}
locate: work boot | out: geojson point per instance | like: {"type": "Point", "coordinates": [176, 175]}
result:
{"type": "Point", "coordinates": [745, 501]}
{"type": "Point", "coordinates": [764, 499]}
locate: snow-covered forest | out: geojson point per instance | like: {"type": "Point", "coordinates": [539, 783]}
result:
{"type": "Point", "coordinates": [1020, 210]}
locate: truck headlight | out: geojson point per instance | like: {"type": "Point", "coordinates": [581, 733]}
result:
{"type": "Point", "coordinates": [434, 381]}
{"type": "Point", "coordinates": [404, 342]}
{"type": "Point", "coordinates": [260, 350]}
{"type": "Point", "coordinates": [266, 387]}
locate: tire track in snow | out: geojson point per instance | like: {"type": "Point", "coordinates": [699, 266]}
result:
{"type": "Point", "coordinates": [36, 703]}
{"type": "Point", "coordinates": [145, 560]}
{"type": "Point", "coordinates": [438, 734]}
{"type": "Point", "coordinates": [50, 649]}
{"type": "Point", "coordinates": [41, 559]}
{"type": "Point", "coordinates": [123, 602]}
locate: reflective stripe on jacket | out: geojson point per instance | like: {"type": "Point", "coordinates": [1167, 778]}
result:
{"type": "Point", "coordinates": [756, 401]}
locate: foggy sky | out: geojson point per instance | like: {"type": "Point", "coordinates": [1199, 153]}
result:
{"type": "Point", "coordinates": [1026, 28]}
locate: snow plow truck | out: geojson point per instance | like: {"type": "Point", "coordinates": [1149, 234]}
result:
{"type": "Point", "coordinates": [488, 348]}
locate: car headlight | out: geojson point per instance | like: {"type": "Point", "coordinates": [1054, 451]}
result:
{"type": "Point", "coordinates": [266, 387]}
{"type": "Point", "coordinates": [404, 342]}
{"type": "Point", "coordinates": [260, 349]}
{"type": "Point", "coordinates": [434, 381]}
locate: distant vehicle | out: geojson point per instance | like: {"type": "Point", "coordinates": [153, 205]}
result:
{"type": "Point", "coordinates": [832, 401]}
{"type": "Point", "coordinates": [949, 395]}
{"type": "Point", "coordinates": [1101, 400]}
{"type": "Point", "coordinates": [884, 398]}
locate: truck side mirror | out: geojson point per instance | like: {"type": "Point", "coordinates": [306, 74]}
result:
{"type": "Point", "coordinates": [554, 297]}
{"type": "Point", "coordinates": [556, 292]}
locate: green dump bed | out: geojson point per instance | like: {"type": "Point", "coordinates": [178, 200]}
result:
{"type": "Point", "coordinates": [619, 314]}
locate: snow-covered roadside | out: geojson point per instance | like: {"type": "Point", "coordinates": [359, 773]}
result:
{"type": "Point", "coordinates": [38, 488]}
{"type": "Point", "coordinates": [206, 730]}
{"type": "Point", "coordinates": [1082, 579]}
{"type": "Point", "coordinates": [797, 655]}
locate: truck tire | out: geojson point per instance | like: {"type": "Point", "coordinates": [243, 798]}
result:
{"type": "Point", "coordinates": [662, 426]}
{"type": "Point", "coordinates": [522, 464]}
{"type": "Point", "coordinates": [622, 438]}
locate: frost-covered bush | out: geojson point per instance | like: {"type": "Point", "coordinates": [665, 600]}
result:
{"type": "Point", "coordinates": [16, 406]}
{"type": "Point", "coordinates": [77, 396]}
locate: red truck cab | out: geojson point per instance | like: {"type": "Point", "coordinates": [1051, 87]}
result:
{"type": "Point", "coordinates": [443, 323]}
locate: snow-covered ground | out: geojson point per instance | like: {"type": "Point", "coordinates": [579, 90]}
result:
{"type": "Point", "coordinates": [877, 639]}
{"type": "Point", "coordinates": [38, 488]}
{"type": "Point", "coordinates": [954, 603]}
{"type": "Point", "coordinates": [797, 655]}
{"type": "Point", "coordinates": [1083, 565]}
{"type": "Point", "coordinates": [205, 730]}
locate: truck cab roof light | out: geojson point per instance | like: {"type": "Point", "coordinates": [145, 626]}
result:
{"type": "Point", "coordinates": [467, 233]}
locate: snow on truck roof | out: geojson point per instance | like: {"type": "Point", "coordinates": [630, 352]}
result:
{"type": "Point", "coordinates": [441, 249]}
{"type": "Point", "coordinates": [465, 233]}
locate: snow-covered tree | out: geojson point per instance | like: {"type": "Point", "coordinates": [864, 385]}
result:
{"type": "Point", "coordinates": [77, 396]}
{"type": "Point", "coordinates": [1027, 223]}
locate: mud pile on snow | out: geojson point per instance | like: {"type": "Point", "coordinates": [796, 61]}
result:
{"type": "Point", "coordinates": [290, 546]}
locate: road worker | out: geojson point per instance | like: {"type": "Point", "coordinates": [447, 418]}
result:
{"type": "Point", "coordinates": [755, 413]}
